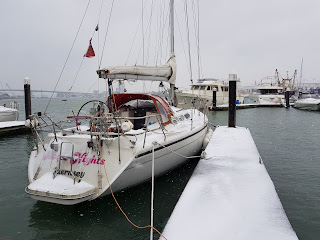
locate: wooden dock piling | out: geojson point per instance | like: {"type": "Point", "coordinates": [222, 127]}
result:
{"type": "Point", "coordinates": [287, 95]}
{"type": "Point", "coordinates": [232, 100]}
{"type": "Point", "coordinates": [214, 97]}
{"type": "Point", "coordinates": [27, 97]}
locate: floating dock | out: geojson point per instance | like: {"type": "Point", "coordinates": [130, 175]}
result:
{"type": "Point", "coordinates": [13, 126]}
{"type": "Point", "coordinates": [230, 195]}
{"type": "Point", "coordinates": [243, 106]}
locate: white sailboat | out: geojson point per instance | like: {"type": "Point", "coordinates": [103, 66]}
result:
{"type": "Point", "coordinates": [115, 149]}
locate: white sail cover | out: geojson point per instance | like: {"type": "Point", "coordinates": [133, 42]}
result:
{"type": "Point", "coordinates": [165, 72]}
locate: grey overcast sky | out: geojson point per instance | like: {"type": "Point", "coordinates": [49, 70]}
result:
{"type": "Point", "coordinates": [248, 37]}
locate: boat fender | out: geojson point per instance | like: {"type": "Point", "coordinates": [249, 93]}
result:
{"type": "Point", "coordinates": [126, 126]}
{"type": "Point", "coordinates": [207, 138]}
{"type": "Point", "coordinates": [54, 146]}
{"type": "Point", "coordinates": [205, 142]}
{"type": "Point", "coordinates": [29, 123]}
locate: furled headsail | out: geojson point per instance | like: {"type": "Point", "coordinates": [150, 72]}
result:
{"type": "Point", "coordinates": [166, 72]}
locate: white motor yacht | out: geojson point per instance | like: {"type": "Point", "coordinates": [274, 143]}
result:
{"type": "Point", "coordinates": [270, 93]}
{"type": "Point", "coordinates": [308, 101]}
{"type": "Point", "coordinates": [204, 89]}
{"type": "Point", "coordinates": [9, 113]}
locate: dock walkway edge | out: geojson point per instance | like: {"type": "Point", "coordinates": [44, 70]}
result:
{"type": "Point", "coordinates": [13, 127]}
{"type": "Point", "coordinates": [230, 195]}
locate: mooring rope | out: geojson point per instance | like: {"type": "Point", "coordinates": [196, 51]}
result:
{"type": "Point", "coordinates": [125, 215]}
{"type": "Point", "coordinates": [177, 152]}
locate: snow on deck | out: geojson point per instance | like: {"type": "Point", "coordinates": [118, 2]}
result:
{"type": "Point", "coordinates": [230, 196]}
{"type": "Point", "coordinates": [60, 185]}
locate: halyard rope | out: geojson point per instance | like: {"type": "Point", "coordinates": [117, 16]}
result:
{"type": "Point", "coordinates": [68, 55]}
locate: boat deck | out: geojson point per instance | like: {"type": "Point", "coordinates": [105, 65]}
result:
{"type": "Point", "coordinates": [230, 195]}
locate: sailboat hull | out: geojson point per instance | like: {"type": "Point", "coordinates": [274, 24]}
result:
{"type": "Point", "coordinates": [167, 157]}
{"type": "Point", "coordinates": [133, 170]}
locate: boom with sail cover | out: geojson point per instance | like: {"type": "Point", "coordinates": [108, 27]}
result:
{"type": "Point", "coordinates": [166, 72]}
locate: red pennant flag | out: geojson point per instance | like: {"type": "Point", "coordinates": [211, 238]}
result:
{"type": "Point", "coordinates": [90, 52]}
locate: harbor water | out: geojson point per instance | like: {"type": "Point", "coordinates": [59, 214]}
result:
{"type": "Point", "coordinates": [287, 139]}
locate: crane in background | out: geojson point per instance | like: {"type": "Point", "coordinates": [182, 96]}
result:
{"type": "Point", "coordinates": [10, 89]}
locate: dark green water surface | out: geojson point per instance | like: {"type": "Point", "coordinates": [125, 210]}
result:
{"type": "Point", "coordinates": [288, 141]}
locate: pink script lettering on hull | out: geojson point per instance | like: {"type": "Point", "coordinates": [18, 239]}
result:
{"type": "Point", "coordinates": [77, 158]}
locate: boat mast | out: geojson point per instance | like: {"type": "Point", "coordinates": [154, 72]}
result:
{"type": "Point", "coordinates": [277, 77]}
{"type": "Point", "coordinates": [172, 86]}
{"type": "Point", "coordinates": [172, 27]}
{"type": "Point", "coordinates": [300, 85]}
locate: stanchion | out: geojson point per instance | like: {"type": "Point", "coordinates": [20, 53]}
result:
{"type": "Point", "coordinates": [152, 192]}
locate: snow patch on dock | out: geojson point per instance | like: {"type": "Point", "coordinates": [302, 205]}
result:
{"type": "Point", "coordinates": [12, 126]}
{"type": "Point", "coordinates": [230, 195]}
